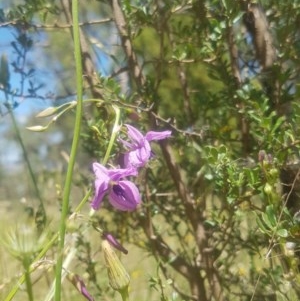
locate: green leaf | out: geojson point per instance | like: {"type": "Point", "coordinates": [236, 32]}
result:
{"type": "Point", "coordinates": [267, 221]}
{"type": "Point", "coordinates": [271, 215]}
{"type": "Point", "coordinates": [282, 232]}
{"type": "Point", "coordinates": [213, 154]}
{"type": "Point", "coordinates": [261, 225]}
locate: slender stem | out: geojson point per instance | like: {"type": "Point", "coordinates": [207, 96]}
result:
{"type": "Point", "coordinates": [43, 252]}
{"type": "Point", "coordinates": [26, 264]}
{"type": "Point", "coordinates": [84, 200]}
{"type": "Point", "coordinates": [32, 176]}
{"type": "Point", "coordinates": [113, 135]}
{"type": "Point", "coordinates": [67, 187]}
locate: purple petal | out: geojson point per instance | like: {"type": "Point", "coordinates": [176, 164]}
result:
{"type": "Point", "coordinates": [86, 294]}
{"type": "Point", "coordinates": [132, 160]}
{"type": "Point", "coordinates": [101, 187]}
{"type": "Point", "coordinates": [157, 135]}
{"type": "Point", "coordinates": [116, 174]}
{"type": "Point", "coordinates": [144, 153]}
{"type": "Point", "coordinates": [114, 242]}
{"type": "Point", "coordinates": [127, 144]}
{"type": "Point", "coordinates": [100, 171]}
{"type": "Point", "coordinates": [125, 196]}
{"type": "Point", "coordinates": [80, 285]}
{"type": "Point", "coordinates": [137, 158]}
{"type": "Point", "coordinates": [135, 135]}
{"type": "Point", "coordinates": [126, 161]}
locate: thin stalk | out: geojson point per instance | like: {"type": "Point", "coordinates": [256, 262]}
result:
{"type": "Point", "coordinates": [67, 187]}
{"type": "Point", "coordinates": [26, 264]}
{"type": "Point", "coordinates": [113, 135]}
{"type": "Point", "coordinates": [43, 252]}
{"type": "Point", "coordinates": [32, 176]}
{"type": "Point", "coordinates": [124, 294]}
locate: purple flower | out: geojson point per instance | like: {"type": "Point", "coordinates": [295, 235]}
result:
{"type": "Point", "coordinates": [123, 194]}
{"type": "Point", "coordinates": [139, 146]}
{"type": "Point", "coordinates": [80, 285]}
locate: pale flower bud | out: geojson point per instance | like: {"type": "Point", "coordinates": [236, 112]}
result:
{"type": "Point", "coordinates": [118, 277]}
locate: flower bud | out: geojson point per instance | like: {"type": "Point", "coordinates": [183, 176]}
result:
{"type": "Point", "coordinates": [78, 282]}
{"type": "Point", "coordinates": [274, 173]}
{"type": "Point", "coordinates": [261, 156]}
{"type": "Point", "coordinates": [47, 112]}
{"type": "Point", "coordinates": [268, 189]}
{"type": "Point", "coordinates": [118, 277]}
{"type": "Point", "coordinates": [114, 242]}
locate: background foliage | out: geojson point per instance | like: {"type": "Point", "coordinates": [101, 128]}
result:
{"type": "Point", "coordinates": [219, 219]}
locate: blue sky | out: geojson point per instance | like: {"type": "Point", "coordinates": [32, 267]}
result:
{"type": "Point", "coordinates": [11, 154]}
{"type": "Point", "coordinates": [43, 73]}
{"type": "Point", "coordinates": [27, 106]}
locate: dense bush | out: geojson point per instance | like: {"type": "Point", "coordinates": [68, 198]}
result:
{"type": "Point", "coordinates": [213, 206]}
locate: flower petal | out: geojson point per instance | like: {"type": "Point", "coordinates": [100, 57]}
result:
{"type": "Point", "coordinates": [127, 144]}
{"type": "Point", "coordinates": [101, 187]}
{"type": "Point", "coordinates": [135, 135]}
{"type": "Point", "coordinates": [78, 282]}
{"type": "Point", "coordinates": [101, 184]}
{"type": "Point", "coordinates": [139, 157]}
{"type": "Point", "coordinates": [125, 196]}
{"type": "Point", "coordinates": [157, 135]}
{"type": "Point", "coordinates": [131, 159]}
{"type": "Point", "coordinates": [116, 174]}
{"type": "Point", "coordinates": [144, 153]}
{"type": "Point", "coordinates": [114, 242]}
{"type": "Point", "coordinates": [100, 172]}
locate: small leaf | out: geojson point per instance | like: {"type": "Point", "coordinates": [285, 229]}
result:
{"type": "Point", "coordinates": [266, 221]}
{"type": "Point", "coordinates": [282, 232]}
{"type": "Point", "coordinates": [37, 128]}
{"type": "Point", "coordinates": [214, 153]}
{"type": "Point", "coordinates": [271, 215]}
{"type": "Point", "coordinates": [261, 225]}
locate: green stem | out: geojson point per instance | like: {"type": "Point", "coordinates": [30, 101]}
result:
{"type": "Point", "coordinates": [113, 135]}
{"type": "Point", "coordinates": [32, 176]}
{"type": "Point", "coordinates": [26, 264]}
{"type": "Point", "coordinates": [67, 187]}
{"type": "Point", "coordinates": [84, 200]}
{"type": "Point", "coordinates": [43, 252]}
{"type": "Point", "coordinates": [124, 294]}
